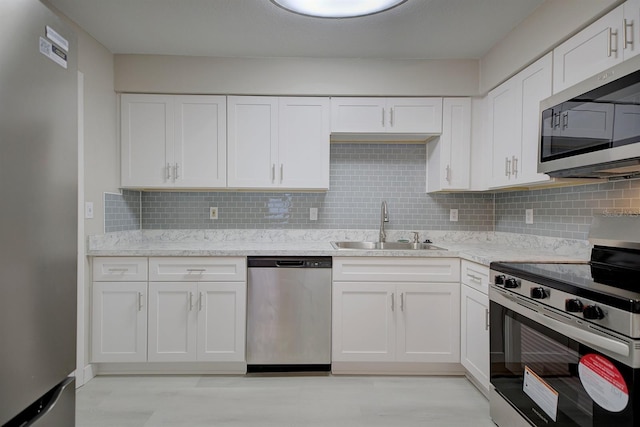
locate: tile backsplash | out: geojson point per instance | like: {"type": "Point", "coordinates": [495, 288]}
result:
{"type": "Point", "coordinates": [566, 211]}
{"type": "Point", "coordinates": [362, 175]}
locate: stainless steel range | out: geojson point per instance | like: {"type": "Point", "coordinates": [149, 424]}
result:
{"type": "Point", "coordinates": [565, 338]}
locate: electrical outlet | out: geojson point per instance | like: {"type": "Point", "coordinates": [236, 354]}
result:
{"type": "Point", "coordinates": [528, 216]}
{"type": "Point", "coordinates": [453, 215]}
{"type": "Point", "coordinates": [213, 213]}
{"type": "Point", "coordinates": [313, 214]}
{"type": "Point", "coordinates": [88, 210]}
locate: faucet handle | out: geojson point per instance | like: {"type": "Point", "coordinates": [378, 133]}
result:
{"type": "Point", "coordinates": [416, 237]}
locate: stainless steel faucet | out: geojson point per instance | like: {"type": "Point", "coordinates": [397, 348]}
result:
{"type": "Point", "coordinates": [384, 217]}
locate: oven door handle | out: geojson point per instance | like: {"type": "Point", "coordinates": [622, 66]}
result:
{"type": "Point", "coordinates": [583, 336]}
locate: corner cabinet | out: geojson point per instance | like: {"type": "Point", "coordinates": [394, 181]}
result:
{"type": "Point", "coordinates": [513, 125]}
{"type": "Point", "coordinates": [474, 323]}
{"type": "Point", "coordinates": [400, 310]}
{"type": "Point", "coordinates": [449, 156]}
{"type": "Point", "coordinates": [278, 142]}
{"type": "Point", "coordinates": [386, 115]}
{"type": "Point", "coordinates": [173, 141]}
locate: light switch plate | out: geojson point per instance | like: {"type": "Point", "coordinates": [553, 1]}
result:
{"type": "Point", "coordinates": [313, 214]}
{"type": "Point", "coordinates": [88, 210]}
{"type": "Point", "coordinates": [528, 216]}
{"type": "Point", "coordinates": [453, 215]}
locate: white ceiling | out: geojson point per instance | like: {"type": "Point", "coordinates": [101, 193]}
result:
{"type": "Point", "coordinates": [418, 29]}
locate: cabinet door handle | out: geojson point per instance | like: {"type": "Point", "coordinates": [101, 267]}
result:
{"type": "Point", "coordinates": [273, 172]}
{"type": "Point", "coordinates": [628, 40]}
{"type": "Point", "coordinates": [448, 174]}
{"type": "Point", "coordinates": [168, 171]}
{"type": "Point", "coordinates": [402, 301]}
{"type": "Point", "coordinates": [514, 166]}
{"type": "Point", "coordinates": [507, 167]}
{"type": "Point", "coordinates": [190, 301]}
{"type": "Point", "coordinates": [175, 172]}
{"type": "Point", "coordinates": [140, 303]}
{"type": "Point", "coordinates": [486, 319]}
{"type": "Point", "coordinates": [200, 299]}
{"type": "Point", "coordinates": [610, 49]}
{"type": "Point", "coordinates": [565, 120]}
{"type": "Point", "coordinates": [393, 302]}
{"type": "Point", "coordinates": [281, 172]}
{"type": "Point", "coordinates": [391, 116]}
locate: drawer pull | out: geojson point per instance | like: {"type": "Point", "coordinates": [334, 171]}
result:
{"type": "Point", "coordinates": [118, 270]}
{"type": "Point", "coordinates": [196, 270]}
{"type": "Point", "coordinates": [474, 277]}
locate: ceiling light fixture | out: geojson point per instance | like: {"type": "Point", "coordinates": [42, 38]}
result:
{"type": "Point", "coordinates": [337, 8]}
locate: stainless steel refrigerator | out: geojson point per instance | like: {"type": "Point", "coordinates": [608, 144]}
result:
{"type": "Point", "coordinates": [38, 216]}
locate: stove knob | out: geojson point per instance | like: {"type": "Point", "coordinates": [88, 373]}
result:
{"type": "Point", "coordinates": [511, 283]}
{"type": "Point", "coordinates": [539, 293]}
{"type": "Point", "coordinates": [593, 312]}
{"type": "Point", "coordinates": [499, 279]}
{"type": "Point", "coordinates": [573, 305]}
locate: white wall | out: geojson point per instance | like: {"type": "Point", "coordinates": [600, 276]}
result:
{"type": "Point", "coordinates": [101, 155]}
{"type": "Point", "coordinates": [294, 76]}
{"type": "Point", "coordinates": [554, 21]}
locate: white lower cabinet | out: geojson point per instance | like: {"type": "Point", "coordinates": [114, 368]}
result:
{"type": "Point", "coordinates": [119, 309]}
{"type": "Point", "coordinates": [119, 328]}
{"type": "Point", "coordinates": [196, 321]}
{"type": "Point", "coordinates": [192, 310]}
{"type": "Point", "coordinates": [399, 316]}
{"type": "Point", "coordinates": [474, 324]}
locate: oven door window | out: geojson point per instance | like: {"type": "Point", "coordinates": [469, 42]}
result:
{"type": "Point", "coordinates": [551, 364]}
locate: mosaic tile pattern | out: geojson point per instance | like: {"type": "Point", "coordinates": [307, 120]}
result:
{"type": "Point", "coordinates": [362, 176]}
{"type": "Point", "coordinates": [122, 211]}
{"type": "Point", "coordinates": [565, 212]}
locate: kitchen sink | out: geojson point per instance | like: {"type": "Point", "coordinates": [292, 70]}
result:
{"type": "Point", "coordinates": [397, 246]}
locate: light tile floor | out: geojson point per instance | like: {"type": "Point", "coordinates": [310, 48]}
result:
{"type": "Point", "coordinates": [282, 401]}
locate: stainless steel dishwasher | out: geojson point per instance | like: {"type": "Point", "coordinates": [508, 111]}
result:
{"type": "Point", "coordinates": [289, 314]}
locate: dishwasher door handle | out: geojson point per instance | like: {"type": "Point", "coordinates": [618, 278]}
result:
{"type": "Point", "coordinates": [292, 263]}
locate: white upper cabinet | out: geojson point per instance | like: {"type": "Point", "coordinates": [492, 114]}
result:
{"type": "Point", "coordinates": [631, 30]}
{"type": "Point", "coordinates": [386, 115]}
{"type": "Point", "coordinates": [173, 141]}
{"type": "Point", "coordinates": [594, 49]}
{"type": "Point", "coordinates": [449, 156]}
{"type": "Point", "coordinates": [278, 142]}
{"type": "Point", "coordinates": [513, 125]}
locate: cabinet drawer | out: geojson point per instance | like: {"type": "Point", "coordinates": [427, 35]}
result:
{"type": "Point", "coordinates": [396, 269]}
{"type": "Point", "coordinates": [198, 269]}
{"type": "Point", "coordinates": [475, 276]}
{"type": "Point", "coordinates": [119, 269]}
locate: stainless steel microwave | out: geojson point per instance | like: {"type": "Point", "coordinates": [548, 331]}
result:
{"type": "Point", "coordinates": [592, 129]}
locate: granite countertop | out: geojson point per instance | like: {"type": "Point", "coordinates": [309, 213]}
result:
{"type": "Point", "coordinates": [480, 247]}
